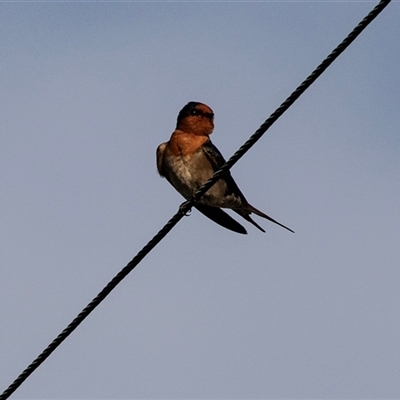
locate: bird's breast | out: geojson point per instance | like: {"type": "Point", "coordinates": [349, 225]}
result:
{"type": "Point", "coordinates": [187, 173]}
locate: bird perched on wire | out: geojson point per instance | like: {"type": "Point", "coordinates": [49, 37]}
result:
{"type": "Point", "coordinates": [189, 159]}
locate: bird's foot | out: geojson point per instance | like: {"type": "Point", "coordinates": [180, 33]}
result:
{"type": "Point", "coordinates": [183, 209]}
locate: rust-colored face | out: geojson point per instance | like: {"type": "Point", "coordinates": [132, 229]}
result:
{"type": "Point", "coordinates": [196, 118]}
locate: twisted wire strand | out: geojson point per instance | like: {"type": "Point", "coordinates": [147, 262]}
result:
{"type": "Point", "coordinates": [187, 205]}
{"type": "Point", "coordinates": [288, 102]}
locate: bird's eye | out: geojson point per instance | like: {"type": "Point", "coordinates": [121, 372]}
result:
{"type": "Point", "coordinates": [194, 112]}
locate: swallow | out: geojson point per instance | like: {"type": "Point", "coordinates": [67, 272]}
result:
{"type": "Point", "coordinates": [189, 159]}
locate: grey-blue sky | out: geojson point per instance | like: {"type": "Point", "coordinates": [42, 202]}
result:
{"type": "Point", "coordinates": [87, 93]}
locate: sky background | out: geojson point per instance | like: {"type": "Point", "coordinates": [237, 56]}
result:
{"type": "Point", "coordinates": [89, 90]}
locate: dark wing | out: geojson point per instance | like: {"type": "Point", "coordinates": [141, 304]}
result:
{"type": "Point", "coordinates": [160, 163]}
{"type": "Point", "coordinates": [213, 154]}
{"type": "Point", "coordinates": [221, 218]}
{"type": "Point", "coordinates": [217, 160]}
{"type": "Point", "coordinates": [160, 158]}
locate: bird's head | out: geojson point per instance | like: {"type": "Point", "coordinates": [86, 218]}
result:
{"type": "Point", "coordinates": [196, 118]}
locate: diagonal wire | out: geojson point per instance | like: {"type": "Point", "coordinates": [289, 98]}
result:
{"type": "Point", "coordinates": [187, 205]}
{"type": "Point", "coordinates": [288, 102]}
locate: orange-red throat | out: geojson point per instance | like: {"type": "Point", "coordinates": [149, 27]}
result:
{"type": "Point", "coordinates": [185, 144]}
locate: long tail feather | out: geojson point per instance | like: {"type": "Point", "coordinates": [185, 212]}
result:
{"type": "Point", "coordinates": [250, 209]}
{"type": "Point", "coordinates": [261, 214]}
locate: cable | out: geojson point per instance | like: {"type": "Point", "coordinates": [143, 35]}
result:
{"type": "Point", "coordinates": [187, 205]}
